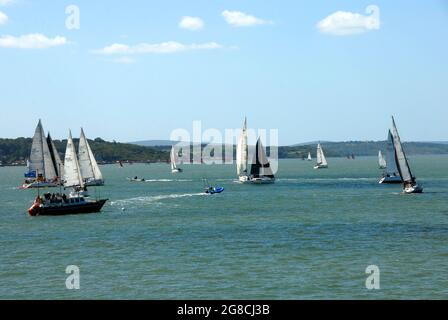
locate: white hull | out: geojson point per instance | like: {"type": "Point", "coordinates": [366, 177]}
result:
{"type": "Point", "coordinates": [263, 180]}
{"type": "Point", "coordinates": [176, 170]}
{"type": "Point", "coordinates": [93, 182]}
{"type": "Point", "coordinates": [321, 166]}
{"type": "Point", "coordinates": [413, 189]}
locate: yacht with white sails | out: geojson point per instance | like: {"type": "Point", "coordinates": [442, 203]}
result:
{"type": "Point", "coordinates": [321, 161]}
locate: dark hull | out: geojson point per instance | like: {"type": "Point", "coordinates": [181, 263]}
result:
{"type": "Point", "coordinates": [84, 208]}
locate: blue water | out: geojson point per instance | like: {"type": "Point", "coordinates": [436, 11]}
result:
{"type": "Point", "coordinates": [309, 236]}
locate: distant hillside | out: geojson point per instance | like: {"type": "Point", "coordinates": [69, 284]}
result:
{"type": "Point", "coordinates": [361, 148]}
{"type": "Point", "coordinates": [154, 143]}
{"type": "Point", "coordinates": [16, 151]}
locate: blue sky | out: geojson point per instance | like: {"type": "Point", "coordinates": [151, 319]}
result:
{"type": "Point", "coordinates": [269, 60]}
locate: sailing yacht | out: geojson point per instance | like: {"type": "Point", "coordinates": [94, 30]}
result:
{"type": "Point", "coordinates": [260, 169]}
{"type": "Point", "coordinates": [410, 184]}
{"type": "Point", "coordinates": [391, 174]}
{"type": "Point", "coordinates": [90, 171]}
{"type": "Point", "coordinates": [381, 161]}
{"type": "Point", "coordinates": [76, 202]}
{"type": "Point", "coordinates": [321, 160]}
{"type": "Point", "coordinates": [242, 155]}
{"type": "Point", "coordinates": [309, 157]}
{"type": "Point", "coordinates": [41, 170]}
{"type": "Point", "coordinates": [173, 156]}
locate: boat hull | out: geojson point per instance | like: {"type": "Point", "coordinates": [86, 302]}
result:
{"type": "Point", "coordinates": [176, 170]}
{"type": "Point", "coordinates": [70, 209]}
{"type": "Point", "coordinates": [413, 189]}
{"type": "Point", "coordinates": [94, 183]}
{"type": "Point", "coordinates": [261, 181]}
{"type": "Point", "coordinates": [395, 179]}
{"type": "Point", "coordinates": [320, 166]}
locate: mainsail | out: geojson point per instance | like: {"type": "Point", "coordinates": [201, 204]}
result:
{"type": "Point", "coordinates": [72, 171]}
{"type": "Point", "coordinates": [381, 161]}
{"type": "Point", "coordinates": [391, 162]}
{"type": "Point", "coordinates": [242, 152]}
{"type": "Point", "coordinates": [40, 157]}
{"type": "Point", "coordinates": [400, 157]}
{"type": "Point", "coordinates": [321, 161]}
{"type": "Point", "coordinates": [173, 159]}
{"type": "Point", "coordinates": [57, 162]}
{"type": "Point", "coordinates": [260, 164]}
{"type": "Point", "coordinates": [87, 162]}
{"type": "Point", "coordinates": [309, 156]}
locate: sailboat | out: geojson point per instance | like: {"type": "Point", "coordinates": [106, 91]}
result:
{"type": "Point", "coordinates": [309, 157]}
{"type": "Point", "coordinates": [90, 170]}
{"type": "Point", "coordinates": [381, 161]}
{"type": "Point", "coordinates": [391, 174]}
{"type": "Point", "coordinates": [173, 156]}
{"type": "Point", "coordinates": [242, 155]}
{"type": "Point", "coordinates": [410, 184]}
{"type": "Point", "coordinates": [260, 169]}
{"type": "Point", "coordinates": [321, 161]}
{"type": "Point", "coordinates": [41, 171]}
{"type": "Point", "coordinates": [76, 202]}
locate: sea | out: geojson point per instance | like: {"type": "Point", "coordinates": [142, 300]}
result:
{"type": "Point", "coordinates": [315, 234]}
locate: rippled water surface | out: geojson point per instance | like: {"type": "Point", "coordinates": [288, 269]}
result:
{"type": "Point", "coordinates": [309, 236]}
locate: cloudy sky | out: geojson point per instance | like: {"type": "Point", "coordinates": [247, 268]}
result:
{"type": "Point", "coordinates": [136, 70]}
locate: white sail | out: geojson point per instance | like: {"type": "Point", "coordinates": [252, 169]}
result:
{"type": "Point", "coordinates": [87, 162]}
{"type": "Point", "coordinates": [59, 166]}
{"type": "Point", "coordinates": [309, 156]}
{"type": "Point", "coordinates": [321, 160]}
{"type": "Point", "coordinates": [173, 159]}
{"type": "Point", "coordinates": [242, 152]}
{"type": "Point", "coordinates": [381, 160]}
{"type": "Point", "coordinates": [40, 157]}
{"type": "Point", "coordinates": [402, 161]}
{"type": "Point", "coordinates": [72, 171]}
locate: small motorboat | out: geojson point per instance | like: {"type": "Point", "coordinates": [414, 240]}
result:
{"type": "Point", "coordinates": [208, 189]}
{"type": "Point", "coordinates": [213, 190]}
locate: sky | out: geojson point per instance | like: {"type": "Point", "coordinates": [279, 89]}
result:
{"type": "Point", "coordinates": [136, 70]}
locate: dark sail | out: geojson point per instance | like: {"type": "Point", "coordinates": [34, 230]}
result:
{"type": "Point", "coordinates": [400, 156]}
{"type": "Point", "coordinates": [260, 164]}
{"type": "Point", "coordinates": [52, 151]}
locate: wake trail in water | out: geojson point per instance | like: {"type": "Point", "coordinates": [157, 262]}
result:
{"type": "Point", "coordinates": [152, 199]}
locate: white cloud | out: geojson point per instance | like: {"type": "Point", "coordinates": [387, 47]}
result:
{"type": "Point", "coordinates": [6, 2]}
{"type": "Point", "coordinates": [164, 47]}
{"type": "Point", "coordinates": [241, 19]}
{"type": "Point", "coordinates": [191, 23]}
{"type": "Point", "coordinates": [31, 41]}
{"type": "Point", "coordinates": [3, 18]}
{"type": "Point", "coordinates": [343, 23]}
